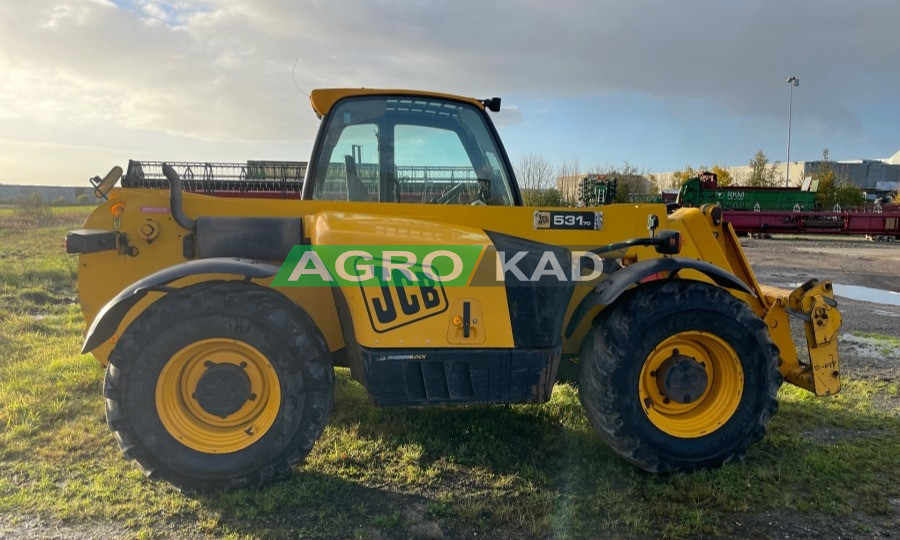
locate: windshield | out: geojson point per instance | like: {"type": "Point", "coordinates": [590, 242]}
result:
{"type": "Point", "coordinates": [409, 149]}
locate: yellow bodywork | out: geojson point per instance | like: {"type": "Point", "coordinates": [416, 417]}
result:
{"type": "Point", "coordinates": [815, 306]}
{"type": "Point", "coordinates": [322, 99]}
{"type": "Point", "coordinates": [102, 275]}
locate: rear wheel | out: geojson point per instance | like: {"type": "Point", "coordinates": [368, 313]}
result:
{"type": "Point", "coordinates": [679, 375]}
{"type": "Point", "coordinates": [219, 385]}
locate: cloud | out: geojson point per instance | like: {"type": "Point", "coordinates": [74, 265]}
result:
{"type": "Point", "coordinates": [509, 115]}
{"type": "Point", "coordinates": [221, 70]}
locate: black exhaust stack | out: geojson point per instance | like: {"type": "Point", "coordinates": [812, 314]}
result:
{"type": "Point", "coordinates": [175, 201]}
{"type": "Point", "coordinates": [260, 238]}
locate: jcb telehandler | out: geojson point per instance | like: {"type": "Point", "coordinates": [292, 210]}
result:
{"type": "Point", "coordinates": [220, 345]}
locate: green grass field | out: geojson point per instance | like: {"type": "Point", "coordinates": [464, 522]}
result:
{"type": "Point", "coordinates": [507, 472]}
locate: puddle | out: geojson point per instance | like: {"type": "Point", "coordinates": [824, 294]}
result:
{"type": "Point", "coordinates": [864, 294]}
{"type": "Point", "coordinates": [868, 294]}
{"type": "Point", "coordinates": [869, 347]}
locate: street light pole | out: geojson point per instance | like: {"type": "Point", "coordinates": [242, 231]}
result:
{"type": "Point", "coordinates": [792, 82]}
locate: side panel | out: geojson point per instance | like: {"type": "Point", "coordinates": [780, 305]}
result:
{"type": "Point", "coordinates": [102, 275]}
{"type": "Point", "coordinates": [378, 321]}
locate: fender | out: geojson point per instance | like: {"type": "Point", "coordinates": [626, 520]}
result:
{"type": "Point", "coordinates": [609, 289]}
{"type": "Point", "coordinates": [110, 316]}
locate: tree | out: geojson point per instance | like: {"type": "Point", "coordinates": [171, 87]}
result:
{"type": "Point", "coordinates": [544, 197]}
{"type": "Point", "coordinates": [834, 189]}
{"type": "Point", "coordinates": [569, 175]}
{"type": "Point", "coordinates": [535, 175]}
{"type": "Point", "coordinates": [824, 179]}
{"type": "Point", "coordinates": [762, 174]}
{"type": "Point", "coordinates": [632, 185]}
{"type": "Point", "coordinates": [849, 195]}
{"type": "Point", "coordinates": [678, 177]}
{"type": "Point", "coordinates": [723, 175]}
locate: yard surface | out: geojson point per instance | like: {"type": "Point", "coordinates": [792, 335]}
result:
{"type": "Point", "coordinates": [829, 467]}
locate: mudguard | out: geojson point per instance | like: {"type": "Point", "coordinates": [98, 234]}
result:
{"type": "Point", "coordinates": [107, 320]}
{"type": "Point", "coordinates": [608, 290]}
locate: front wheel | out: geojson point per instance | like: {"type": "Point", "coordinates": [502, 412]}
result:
{"type": "Point", "coordinates": [679, 375]}
{"type": "Point", "coordinates": [219, 385]}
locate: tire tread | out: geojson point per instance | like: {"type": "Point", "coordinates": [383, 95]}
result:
{"type": "Point", "coordinates": [233, 295]}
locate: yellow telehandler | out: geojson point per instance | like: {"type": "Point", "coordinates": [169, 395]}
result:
{"type": "Point", "coordinates": [221, 302]}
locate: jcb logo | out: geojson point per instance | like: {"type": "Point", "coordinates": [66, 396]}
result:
{"type": "Point", "coordinates": [392, 306]}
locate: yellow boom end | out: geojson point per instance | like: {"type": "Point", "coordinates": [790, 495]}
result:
{"type": "Point", "coordinates": [813, 303]}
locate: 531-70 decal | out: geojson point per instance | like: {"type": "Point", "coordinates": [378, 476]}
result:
{"type": "Point", "coordinates": [568, 219]}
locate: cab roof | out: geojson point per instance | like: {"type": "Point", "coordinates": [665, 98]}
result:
{"type": "Point", "coordinates": [323, 99]}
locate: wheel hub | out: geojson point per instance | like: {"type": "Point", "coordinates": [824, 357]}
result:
{"type": "Point", "coordinates": [682, 379]}
{"type": "Point", "coordinates": [222, 389]}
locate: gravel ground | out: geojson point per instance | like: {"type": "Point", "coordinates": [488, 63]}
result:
{"type": "Point", "coordinates": [788, 261]}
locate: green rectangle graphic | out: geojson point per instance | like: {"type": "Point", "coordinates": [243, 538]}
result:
{"type": "Point", "coordinates": [328, 266]}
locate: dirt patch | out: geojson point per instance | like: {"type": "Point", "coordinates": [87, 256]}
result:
{"type": "Point", "coordinates": [846, 261]}
{"type": "Point", "coordinates": [419, 524]}
{"type": "Point", "coordinates": [873, 359]}
{"type": "Point", "coordinates": [795, 525]}
{"type": "Point", "coordinates": [28, 528]}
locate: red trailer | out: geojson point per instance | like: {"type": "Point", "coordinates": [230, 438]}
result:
{"type": "Point", "coordinates": [878, 221]}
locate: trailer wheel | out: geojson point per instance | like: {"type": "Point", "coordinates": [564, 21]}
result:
{"type": "Point", "coordinates": [679, 375]}
{"type": "Point", "coordinates": [218, 386]}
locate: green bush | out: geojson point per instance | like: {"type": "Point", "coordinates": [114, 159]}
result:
{"type": "Point", "coordinates": [542, 197]}
{"type": "Point", "coordinates": [848, 195]}
{"type": "Point", "coordinates": [33, 206]}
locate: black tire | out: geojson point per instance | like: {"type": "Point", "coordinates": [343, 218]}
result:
{"type": "Point", "coordinates": [626, 337]}
{"type": "Point", "coordinates": [291, 347]}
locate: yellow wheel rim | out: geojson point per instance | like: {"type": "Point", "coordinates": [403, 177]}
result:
{"type": "Point", "coordinates": [714, 401]}
{"type": "Point", "coordinates": [218, 395]}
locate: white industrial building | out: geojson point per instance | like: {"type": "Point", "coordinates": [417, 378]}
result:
{"type": "Point", "coordinates": [871, 175]}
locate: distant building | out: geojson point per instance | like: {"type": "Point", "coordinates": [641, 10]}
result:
{"type": "Point", "coordinates": [568, 187]}
{"type": "Point", "coordinates": [12, 193]}
{"type": "Point", "coordinates": [874, 176]}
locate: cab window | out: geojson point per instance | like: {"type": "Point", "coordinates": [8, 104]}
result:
{"type": "Point", "coordinates": [399, 149]}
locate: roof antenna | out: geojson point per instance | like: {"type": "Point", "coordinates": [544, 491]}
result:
{"type": "Point", "coordinates": [295, 79]}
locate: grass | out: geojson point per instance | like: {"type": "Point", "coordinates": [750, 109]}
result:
{"type": "Point", "coordinates": [517, 471]}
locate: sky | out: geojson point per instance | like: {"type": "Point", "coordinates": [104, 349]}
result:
{"type": "Point", "coordinates": [88, 84]}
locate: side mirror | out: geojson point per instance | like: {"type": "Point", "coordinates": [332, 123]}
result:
{"type": "Point", "coordinates": [102, 187]}
{"type": "Point", "coordinates": [492, 104]}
